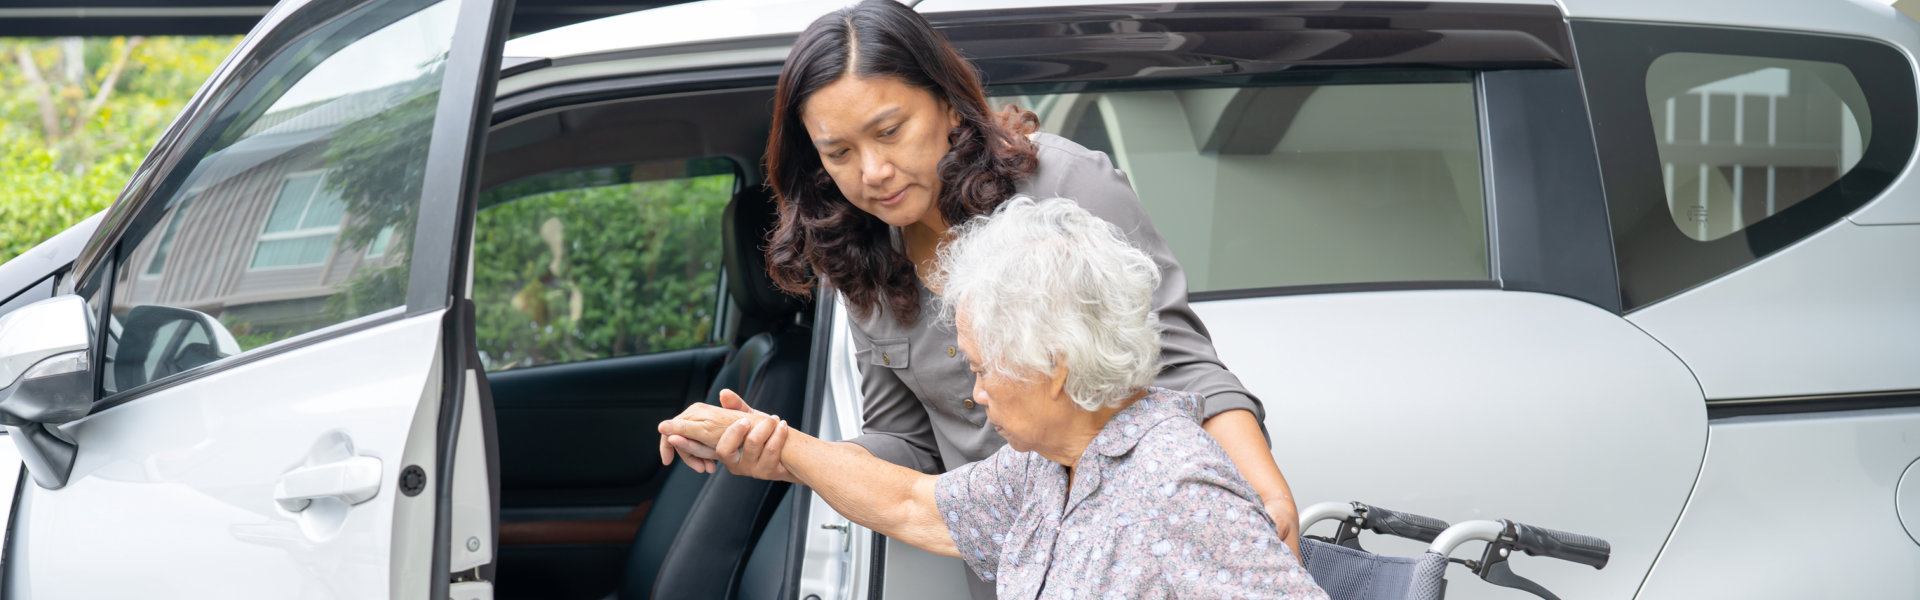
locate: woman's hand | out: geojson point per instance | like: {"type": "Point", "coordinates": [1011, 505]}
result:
{"type": "Point", "coordinates": [1288, 518]}
{"type": "Point", "coordinates": [748, 442]}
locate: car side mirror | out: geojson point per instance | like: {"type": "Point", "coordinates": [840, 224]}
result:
{"type": "Point", "coordinates": [47, 377]}
{"type": "Point", "coordinates": [158, 341]}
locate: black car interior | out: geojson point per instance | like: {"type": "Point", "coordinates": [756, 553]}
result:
{"type": "Point", "coordinates": [587, 510]}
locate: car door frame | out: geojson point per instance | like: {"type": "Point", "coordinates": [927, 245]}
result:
{"type": "Point", "coordinates": [437, 279]}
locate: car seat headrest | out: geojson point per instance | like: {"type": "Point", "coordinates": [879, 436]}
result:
{"type": "Point", "coordinates": [748, 220]}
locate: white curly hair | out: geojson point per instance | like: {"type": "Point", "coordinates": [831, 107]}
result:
{"type": "Point", "coordinates": [1045, 282]}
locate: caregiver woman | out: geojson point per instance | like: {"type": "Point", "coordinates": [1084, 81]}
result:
{"type": "Point", "coordinates": [882, 139]}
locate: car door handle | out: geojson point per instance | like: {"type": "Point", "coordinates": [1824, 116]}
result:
{"type": "Point", "coordinates": [353, 481]}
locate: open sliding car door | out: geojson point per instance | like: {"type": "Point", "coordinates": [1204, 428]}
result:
{"type": "Point", "coordinates": [279, 398]}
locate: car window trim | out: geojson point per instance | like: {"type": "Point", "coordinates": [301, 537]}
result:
{"type": "Point", "coordinates": [1808, 404]}
{"type": "Point", "coordinates": [443, 233]}
{"type": "Point", "coordinates": [1547, 221]}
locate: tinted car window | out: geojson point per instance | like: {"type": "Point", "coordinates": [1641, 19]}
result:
{"type": "Point", "coordinates": [1290, 185]}
{"type": "Point", "coordinates": [600, 263]}
{"type": "Point", "coordinates": [293, 212]}
{"type": "Point", "coordinates": [1743, 137]}
{"type": "Point", "coordinates": [1719, 146]}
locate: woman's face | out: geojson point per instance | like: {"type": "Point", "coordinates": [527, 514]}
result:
{"type": "Point", "coordinates": [1024, 412]}
{"type": "Point", "coordinates": [882, 140]}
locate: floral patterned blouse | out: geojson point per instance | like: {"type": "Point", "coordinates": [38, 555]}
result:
{"type": "Point", "coordinates": [1156, 510]}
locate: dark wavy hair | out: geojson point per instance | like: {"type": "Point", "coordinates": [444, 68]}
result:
{"type": "Point", "coordinates": [822, 234]}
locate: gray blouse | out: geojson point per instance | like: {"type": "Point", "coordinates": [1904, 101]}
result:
{"type": "Point", "coordinates": [919, 412]}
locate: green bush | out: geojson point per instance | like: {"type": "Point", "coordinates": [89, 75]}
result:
{"type": "Point", "coordinates": [598, 272]}
{"type": "Point", "coordinates": [77, 116]}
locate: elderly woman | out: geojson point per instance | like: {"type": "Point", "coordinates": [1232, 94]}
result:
{"type": "Point", "coordinates": [1107, 488]}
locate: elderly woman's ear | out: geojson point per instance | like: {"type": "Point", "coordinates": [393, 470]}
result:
{"type": "Point", "coordinates": [1057, 381]}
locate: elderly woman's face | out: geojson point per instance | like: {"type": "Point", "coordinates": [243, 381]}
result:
{"type": "Point", "coordinates": [1024, 411]}
{"type": "Point", "coordinates": [881, 140]}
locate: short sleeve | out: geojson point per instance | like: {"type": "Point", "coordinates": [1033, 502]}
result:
{"type": "Point", "coordinates": [979, 502]}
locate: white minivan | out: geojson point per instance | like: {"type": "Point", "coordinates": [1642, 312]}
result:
{"type": "Point", "coordinates": [393, 307]}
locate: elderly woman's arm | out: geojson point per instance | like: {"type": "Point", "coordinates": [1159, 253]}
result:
{"type": "Point", "coordinates": [896, 501]}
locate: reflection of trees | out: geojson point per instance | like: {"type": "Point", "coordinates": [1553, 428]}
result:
{"type": "Point", "coordinates": [596, 272]}
{"type": "Point", "coordinates": [378, 165]}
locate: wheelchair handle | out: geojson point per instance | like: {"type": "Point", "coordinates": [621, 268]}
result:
{"type": "Point", "coordinates": [1403, 524]}
{"type": "Point", "coordinates": [1531, 539]}
{"type": "Point", "coordinates": [1374, 519]}
{"type": "Point", "coordinates": [1572, 547]}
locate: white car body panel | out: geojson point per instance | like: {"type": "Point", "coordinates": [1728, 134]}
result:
{"type": "Point", "coordinates": [1476, 404]}
{"type": "Point", "coordinates": [189, 472]}
{"type": "Point", "coordinates": [1837, 313]}
{"type": "Point", "coordinates": [931, 6]}
{"type": "Point", "coordinates": [1797, 506]}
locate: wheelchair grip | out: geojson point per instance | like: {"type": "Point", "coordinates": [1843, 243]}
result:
{"type": "Point", "coordinates": [1406, 525]}
{"type": "Point", "coordinates": [1571, 547]}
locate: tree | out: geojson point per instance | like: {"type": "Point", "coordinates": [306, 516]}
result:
{"type": "Point", "coordinates": [77, 115]}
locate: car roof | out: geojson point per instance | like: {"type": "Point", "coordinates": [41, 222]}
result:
{"type": "Point", "coordinates": [722, 20]}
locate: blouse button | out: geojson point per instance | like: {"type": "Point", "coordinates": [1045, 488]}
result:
{"type": "Point", "coordinates": [949, 351]}
{"type": "Point", "coordinates": [967, 402]}
{"type": "Point", "coordinates": [886, 360]}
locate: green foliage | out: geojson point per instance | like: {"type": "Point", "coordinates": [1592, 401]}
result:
{"type": "Point", "coordinates": [77, 115]}
{"type": "Point", "coordinates": [598, 272]}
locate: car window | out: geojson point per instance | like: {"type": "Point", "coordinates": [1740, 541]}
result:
{"type": "Point", "coordinates": [1719, 146]}
{"type": "Point", "coordinates": [294, 210]}
{"type": "Point", "coordinates": [1290, 185]}
{"type": "Point", "coordinates": [1741, 138]}
{"type": "Point", "coordinates": [600, 263]}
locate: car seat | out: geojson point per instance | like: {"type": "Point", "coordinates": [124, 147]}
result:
{"type": "Point", "coordinates": [697, 537]}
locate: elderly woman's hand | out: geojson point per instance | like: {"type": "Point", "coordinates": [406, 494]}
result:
{"type": "Point", "coordinates": [1288, 518]}
{"type": "Point", "coordinates": [747, 441]}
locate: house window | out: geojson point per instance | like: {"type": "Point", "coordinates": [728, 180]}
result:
{"type": "Point", "coordinates": [300, 231]}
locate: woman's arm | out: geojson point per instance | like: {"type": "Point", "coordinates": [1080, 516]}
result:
{"type": "Point", "coordinates": [1239, 434]}
{"type": "Point", "coordinates": [896, 501]}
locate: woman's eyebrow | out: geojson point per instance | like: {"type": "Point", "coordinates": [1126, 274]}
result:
{"type": "Point", "coordinates": [871, 123]}
{"type": "Point", "coordinates": [884, 115]}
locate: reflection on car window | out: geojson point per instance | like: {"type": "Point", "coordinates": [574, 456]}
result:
{"type": "Point", "coordinates": [599, 263]}
{"type": "Point", "coordinates": [1256, 187]}
{"type": "Point", "coordinates": [296, 211]}
{"type": "Point", "coordinates": [1742, 137]}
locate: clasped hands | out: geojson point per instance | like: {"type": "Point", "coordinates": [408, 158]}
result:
{"type": "Point", "coordinates": [746, 441]}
